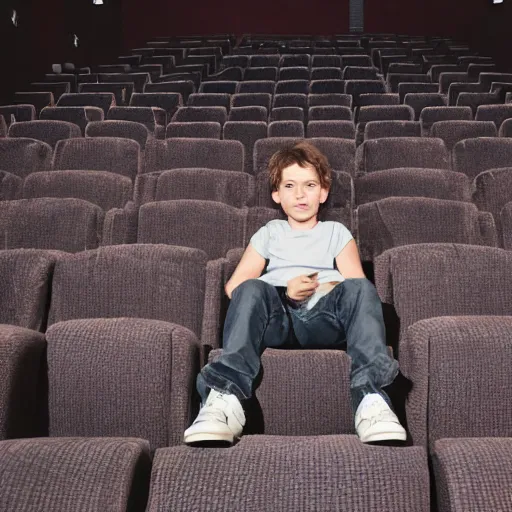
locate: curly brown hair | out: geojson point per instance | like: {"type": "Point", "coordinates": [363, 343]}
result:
{"type": "Point", "coordinates": [303, 154]}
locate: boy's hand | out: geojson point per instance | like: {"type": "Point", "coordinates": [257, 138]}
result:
{"type": "Point", "coordinates": [302, 287]}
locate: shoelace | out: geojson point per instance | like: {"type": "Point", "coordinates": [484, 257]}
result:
{"type": "Point", "coordinates": [375, 412]}
{"type": "Point", "coordinates": [208, 412]}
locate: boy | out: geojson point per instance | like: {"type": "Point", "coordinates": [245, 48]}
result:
{"type": "Point", "coordinates": [301, 301]}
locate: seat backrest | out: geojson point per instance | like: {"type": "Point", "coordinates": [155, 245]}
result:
{"type": "Point", "coordinates": [227, 187]}
{"type": "Point", "coordinates": [330, 112]}
{"type": "Point", "coordinates": [339, 152]}
{"type": "Point", "coordinates": [151, 117]}
{"type": "Point", "coordinates": [119, 129]}
{"type": "Point", "coordinates": [29, 466]}
{"type": "Point", "coordinates": [209, 100]}
{"type": "Point", "coordinates": [105, 189]}
{"type": "Point", "coordinates": [419, 101]}
{"type": "Point", "coordinates": [369, 99]}
{"type": "Point", "coordinates": [199, 114]}
{"type": "Point", "coordinates": [405, 88]}
{"type": "Point", "coordinates": [506, 225]}
{"type": "Point", "coordinates": [261, 61]}
{"type": "Point", "coordinates": [495, 113]}
{"type": "Point", "coordinates": [18, 112]}
{"type": "Point", "coordinates": [256, 86]}
{"type": "Point", "coordinates": [473, 156]}
{"type": "Point", "coordinates": [295, 73]}
{"type": "Point", "coordinates": [25, 275]}
{"type": "Point", "coordinates": [358, 87]}
{"type": "Point", "coordinates": [79, 116]}
{"type": "Point", "coordinates": [475, 99]}
{"type": "Point", "coordinates": [286, 129]}
{"type": "Point", "coordinates": [219, 87]}
{"type": "Point", "coordinates": [412, 182]}
{"type": "Point", "coordinates": [394, 79]}
{"type": "Point", "coordinates": [454, 131]}
{"type": "Point", "coordinates": [251, 100]}
{"type": "Point", "coordinates": [247, 133]}
{"type": "Point", "coordinates": [396, 221]}
{"type": "Point", "coordinates": [390, 153]}
{"type": "Point", "coordinates": [169, 154]}
{"type": "Point", "coordinates": [94, 99]}
{"type": "Point", "coordinates": [139, 79]}
{"type": "Point", "coordinates": [506, 128]}
{"type": "Point", "coordinates": [69, 225]}
{"type": "Point", "coordinates": [318, 100]}
{"type": "Point", "coordinates": [447, 78]}
{"type": "Point", "coordinates": [337, 129]}
{"type": "Point", "coordinates": [183, 87]}
{"type": "Point", "coordinates": [327, 87]}
{"type": "Point", "coordinates": [291, 100]}
{"type": "Point", "coordinates": [324, 74]}
{"type": "Point", "coordinates": [206, 130]}
{"type": "Point", "coordinates": [287, 114]}
{"type": "Point", "coordinates": [292, 87]}
{"type": "Point", "coordinates": [168, 101]}
{"type": "Point", "coordinates": [213, 227]}
{"type": "Point", "coordinates": [431, 115]}
{"type": "Point", "coordinates": [21, 156]}
{"type": "Point", "coordinates": [385, 113]}
{"type": "Point", "coordinates": [380, 129]}
{"type": "Point", "coordinates": [103, 284]}
{"type": "Point", "coordinates": [46, 131]}
{"type": "Point", "coordinates": [260, 73]}
{"type": "Point", "coordinates": [122, 91]}
{"type": "Point", "coordinates": [113, 154]}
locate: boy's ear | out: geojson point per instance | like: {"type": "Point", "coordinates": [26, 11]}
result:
{"type": "Point", "coordinates": [324, 194]}
{"type": "Point", "coordinates": [275, 196]}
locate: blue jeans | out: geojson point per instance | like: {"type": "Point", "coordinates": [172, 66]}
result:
{"type": "Point", "coordinates": [348, 318]}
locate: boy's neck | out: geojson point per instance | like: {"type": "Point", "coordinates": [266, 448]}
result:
{"type": "Point", "coordinates": [303, 226]}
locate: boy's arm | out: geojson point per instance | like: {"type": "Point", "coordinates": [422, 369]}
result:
{"type": "Point", "coordinates": [250, 267]}
{"type": "Point", "coordinates": [349, 262]}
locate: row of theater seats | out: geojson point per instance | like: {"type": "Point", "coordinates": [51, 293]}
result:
{"type": "Point", "coordinates": [117, 475]}
{"type": "Point", "coordinates": [126, 326]}
{"type": "Point", "coordinates": [108, 173]}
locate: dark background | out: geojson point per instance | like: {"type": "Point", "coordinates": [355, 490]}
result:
{"type": "Point", "coordinates": [46, 27]}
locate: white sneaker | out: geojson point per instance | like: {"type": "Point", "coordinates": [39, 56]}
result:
{"type": "Point", "coordinates": [375, 421]}
{"type": "Point", "coordinates": [220, 419]}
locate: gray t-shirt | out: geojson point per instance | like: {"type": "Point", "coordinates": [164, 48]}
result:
{"type": "Point", "coordinates": [293, 252]}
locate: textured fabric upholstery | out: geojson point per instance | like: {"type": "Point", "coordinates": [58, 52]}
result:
{"type": "Point", "coordinates": [80, 116]}
{"type": "Point", "coordinates": [41, 474]}
{"type": "Point", "coordinates": [191, 223]}
{"type": "Point", "coordinates": [435, 71]}
{"type": "Point", "coordinates": [325, 74]}
{"type": "Point", "coordinates": [506, 128]}
{"type": "Point", "coordinates": [447, 78]}
{"type": "Point", "coordinates": [25, 275]}
{"type": "Point", "coordinates": [260, 61]}
{"type": "Point", "coordinates": [396, 221]}
{"type": "Point", "coordinates": [62, 77]}
{"type": "Point", "coordinates": [183, 87]}
{"type": "Point", "coordinates": [206, 130]}
{"type": "Point", "coordinates": [327, 87]}
{"type": "Point", "coordinates": [495, 113]}
{"type": "Point", "coordinates": [431, 115]}
{"type": "Point", "coordinates": [405, 68]}
{"type": "Point", "coordinates": [207, 153]}
{"type": "Point", "coordinates": [473, 474]}
{"type": "Point", "coordinates": [252, 113]}
{"type": "Point", "coordinates": [473, 156]}
{"type": "Point", "coordinates": [436, 352]}
{"type": "Point", "coordinates": [339, 152]}
{"type": "Point", "coordinates": [256, 87]}
{"type": "Point", "coordinates": [474, 100]}
{"type": "Point", "coordinates": [318, 100]}
{"type": "Point", "coordinates": [338, 129]}
{"type": "Point", "coordinates": [393, 79]}
{"type": "Point", "coordinates": [142, 389]}
{"type": "Point", "coordinates": [198, 114]}
{"type": "Point", "coordinates": [19, 112]}
{"type": "Point", "coordinates": [506, 224]}
{"type": "Point", "coordinates": [330, 113]}
{"type": "Point", "coordinates": [119, 129]}
{"type": "Point", "coordinates": [321, 379]}
{"type": "Point", "coordinates": [10, 186]}
{"type": "Point", "coordinates": [358, 87]}
{"type": "Point", "coordinates": [292, 87]}
{"type": "Point", "coordinates": [209, 100]}
{"type": "Point", "coordinates": [380, 129]}
{"type": "Point", "coordinates": [291, 100]}
{"type": "Point", "coordinates": [412, 182]}
{"type": "Point", "coordinates": [111, 154]}
{"type": "Point", "coordinates": [100, 100]}
{"type": "Point", "coordinates": [287, 114]}
{"type": "Point", "coordinates": [70, 225]}
{"type": "Point", "coordinates": [321, 61]}
{"type": "Point", "coordinates": [105, 189]}
{"type": "Point", "coordinates": [356, 60]}
{"type": "Point", "coordinates": [487, 78]}
{"type": "Point", "coordinates": [46, 131]}
{"type": "Point", "coordinates": [287, 61]}
{"type": "Point", "coordinates": [21, 361]}
{"type": "Point", "coordinates": [405, 88]}
{"type": "Point", "coordinates": [458, 88]}
{"type": "Point", "coordinates": [385, 113]}
{"type": "Point", "coordinates": [390, 153]}
{"type": "Point", "coordinates": [452, 132]}
{"type": "Point", "coordinates": [228, 187]}
{"type": "Point", "coordinates": [218, 87]}
{"type": "Point", "coordinates": [21, 156]}
{"type": "Point", "coordinates": [260, 73]}
{"type": "Point", "coordinates": [286, 129]}
{"type": "Point", "coordinates": [369, 99]}
{"type": "Point", "coordinates": [251, 100]}
{"type": "Point", "coordinates": [3, 127]}
{"type": "Point", "coordinates": [295, 73]}
{"type": "Point", "coordinates": [359, 73]}
{"type": "Point", "coordinates": [404, 277]}
{"type": "Point", "coordinates": [196, 475]}
{"type": "Point", "coordinates": [492, 190]}
{"type": "Point", "coordinates": [418, 101]}
{"type": "Point", "coordinates": [168, 101]}
{"type": "Point", "coordinates": [104, 284]}
{"type": "Point", "coordinates": [153, 118]}
{"type": "Point", "coordinates": [122, 91]}
{"type": "Point", "coordinates": [246, 133]}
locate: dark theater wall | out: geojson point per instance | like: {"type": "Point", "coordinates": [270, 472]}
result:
{"type": "Point", "coordinates": [163, 17]}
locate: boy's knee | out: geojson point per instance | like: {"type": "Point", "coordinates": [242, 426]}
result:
{"type": "Point", "coordinates": [360, 285]}
{"type": "Point", "coordinates": [252, 288]}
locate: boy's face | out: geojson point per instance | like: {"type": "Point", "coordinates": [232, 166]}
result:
{"type": "Point", "coordinates": [300, 193]}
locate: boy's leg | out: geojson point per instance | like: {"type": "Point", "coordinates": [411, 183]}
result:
{"type": "Point", "coordinates": [256, 319]}
{"type": "Point", "coordinates": [352, 311]}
